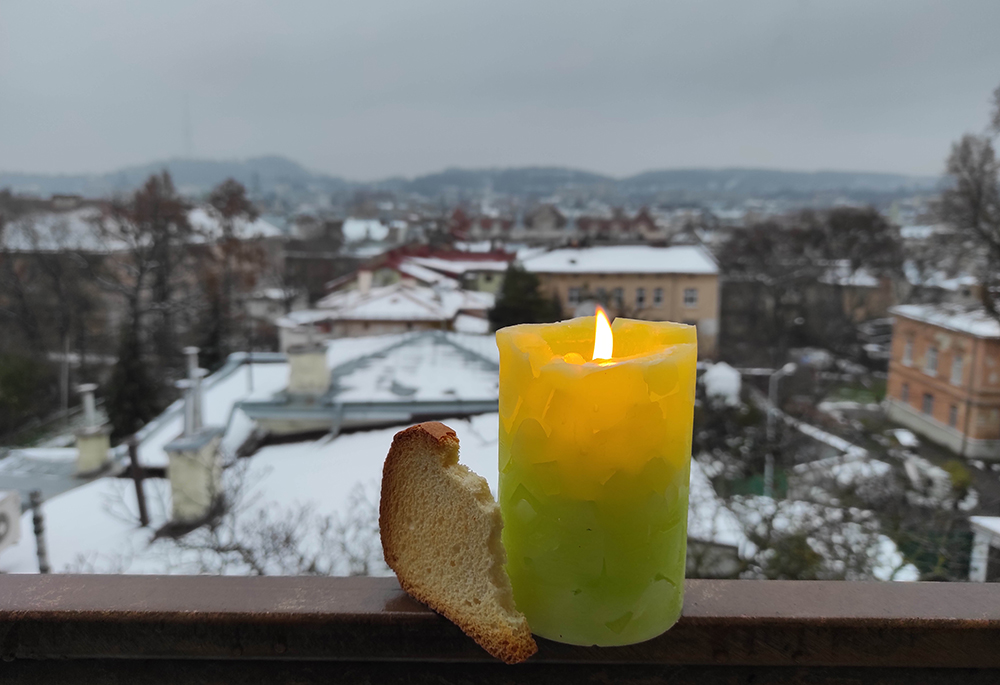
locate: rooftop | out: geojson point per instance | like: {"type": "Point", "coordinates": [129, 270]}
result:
{"type": "Point", "coordinates": [400, 301]}
{"type": "Point", "coordinates": [973, 320]}
{"type": "Point", "coordinates": [620, 259]}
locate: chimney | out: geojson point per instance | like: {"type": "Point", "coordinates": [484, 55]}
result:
{"type": "Point", "coordinates": [192, 369]}
{"type": "Point", "coordinates": [187, 388]}
{"type": "Point", "coordinates": [195, 465]}
{"type": "Point", "coordinates": [93, 442]}
{"type": "Point", "coordinates": [195, 471]}
{"type": "Point", "coordinates": [309, 374]}
{"type": "Point", "coordinates": [364, 281]}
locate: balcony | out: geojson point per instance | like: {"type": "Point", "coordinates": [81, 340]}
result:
{"type": "Point", "coordinates": [202, 629]}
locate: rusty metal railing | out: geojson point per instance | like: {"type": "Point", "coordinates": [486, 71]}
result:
{"type": "Point", "coordinates": [191, 629]}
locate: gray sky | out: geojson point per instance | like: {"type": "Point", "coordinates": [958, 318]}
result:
{"type": "Point", "coordinates": [368, 89]}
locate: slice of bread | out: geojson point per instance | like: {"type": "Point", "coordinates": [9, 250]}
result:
{"type": "Point", "coordinates": [440, 532]}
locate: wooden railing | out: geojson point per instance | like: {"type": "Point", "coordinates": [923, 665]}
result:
{"type": "Point", "coordinates": [177, 629]}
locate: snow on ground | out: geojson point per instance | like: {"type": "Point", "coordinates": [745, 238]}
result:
{"type": "Point", "coordinates": [821, 435]}
{"type": "Point", "coordinates": [905, 437]}
{"type": "Point", "coordinates": [723, 382]}
{"type": "Point", "coordinates": [709, 519]}
{"type": "Point", "coordinates": [831, 532]}
{"type": "Point", "coordinates": [92, 528]}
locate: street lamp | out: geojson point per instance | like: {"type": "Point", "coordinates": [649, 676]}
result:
{"type": "Point", "coordinates": [772, 414]}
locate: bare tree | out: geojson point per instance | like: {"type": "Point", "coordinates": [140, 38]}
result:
{"type": "Point", "coordinates": [142, 235]}
{"type": "Point", "coordinates": [972, 205]}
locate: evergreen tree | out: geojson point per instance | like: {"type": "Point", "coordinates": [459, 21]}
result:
{"type": "Point", "coordinates": [520, 301]}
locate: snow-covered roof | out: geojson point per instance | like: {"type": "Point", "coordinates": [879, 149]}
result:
{"type": "Point", "coordinates": [974, 320]}
{"type": "Point", "coordinates": [466, 323]}
{"type": "Point", "coordinates": [232, 384]}
{"type": "Point", "coordinates": [920, 232]}
{"type": "Point", "coordinates": [206, 222]}
{"type": "Point", "coordinates": [427, 367]}
{"type": "Point", "coordinates": [424, 275]}
{"type": "Point", "coordinates": [78, 230]}
{"type": "Point", "coordinates": [843, 275]}
{"type": "Point", "coordinates": [683, 259]}
{"type": "Point", "coordinates": [81, 230]}
{"type": "Point", "coordinates": [397, 302]}
{"type": "Point", "coordinates": [457, 266]}
{"type": "Point", "coordinates": [358, 230]}
{"type": "Point", "coordinates": [989, 524]}
{"type": "Point", "coordinates": [937, 279]}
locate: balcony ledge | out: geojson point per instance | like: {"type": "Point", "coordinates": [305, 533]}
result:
{"type": "Point", "coordinates": [136, 629]}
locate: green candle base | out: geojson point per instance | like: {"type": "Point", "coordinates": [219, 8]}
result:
{"type": "Point", "coordinates": [607, 572]}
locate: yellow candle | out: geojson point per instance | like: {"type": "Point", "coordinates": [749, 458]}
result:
{"type": "Point", "coordinates": [594, 462]}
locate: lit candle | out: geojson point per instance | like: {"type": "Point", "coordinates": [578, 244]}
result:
{"type": "Point", "coordinates": [595, 453]}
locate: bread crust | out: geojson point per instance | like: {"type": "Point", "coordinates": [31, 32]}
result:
{"type": "Point", "coordinates": [430, 450]}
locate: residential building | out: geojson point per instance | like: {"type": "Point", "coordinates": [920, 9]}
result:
{"type": "Point", "coordinates": [379, 310]}
{"type": "Point", "coordinates": [944, 376]}
{"type": "Point", "coordinates": [653, 283]}
{"type": "Point", "coordinates": [473, 270]}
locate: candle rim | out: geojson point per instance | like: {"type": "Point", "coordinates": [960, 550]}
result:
{"type": "Point", "coordinates": [682, 335]}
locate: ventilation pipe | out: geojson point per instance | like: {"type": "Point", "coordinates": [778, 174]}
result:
{"type": "Point", "coordinates": [93, 441]}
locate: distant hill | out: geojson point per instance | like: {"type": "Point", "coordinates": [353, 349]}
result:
{"type": "Point", "coordinates": [191, 176]}
{"type": "Point", "coordinates": [769, 182]}
{"type": "Point", "coordinates": [271, 173]}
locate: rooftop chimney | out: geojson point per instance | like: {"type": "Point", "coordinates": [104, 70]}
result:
{"type": "Point", "coordinates": [308, 373]}
{"type": "Point", "coordinates": [192, 373]}
{"type": "Point", "coordinates": [93, 441]}
{"type": "Point", "coordinates": [364, 281]}
{"type": "Point", "coordinates": [195, 465]}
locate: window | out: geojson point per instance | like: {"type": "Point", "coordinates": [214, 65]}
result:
{"type": "Point", "coordinates": [573, 296]}
{"type": "Point", "coordinates": [618, 296]}
{"type": "Point", "coordinates": [953, 415]}
{"type": "Point", "coordinates": [488, 278]}
{"type": "Point", "coordinates": [908, 352]}
{"type": "Point", "coordinates": [905, 392]}
{"type": "Point", "coordinates": [928, 407]}
{"type": "Point", "coordinates": [658, 296]}
{"type": "Point", "coordinates": [930, 362]}
{"type": "Point", "coordinates": [640, 297]}
{"type": "Point", "coordinates": [602, 295]}
{"type": "Point", "coordinates": [956, 370]}
{"type": "Point", "coordinates": [690, 297]}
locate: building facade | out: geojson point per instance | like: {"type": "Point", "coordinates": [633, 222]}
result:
{"type": "Point", "coordinates": [656, 284]}
{"type": "Point", "coordinates": [944, 376]}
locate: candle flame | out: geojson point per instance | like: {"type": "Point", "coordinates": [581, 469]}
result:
{"type": "Point", "coordinates": [603, 339]}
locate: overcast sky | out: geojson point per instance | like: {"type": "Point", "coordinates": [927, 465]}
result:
{"type": "Point", "coordinates": [368, 89]}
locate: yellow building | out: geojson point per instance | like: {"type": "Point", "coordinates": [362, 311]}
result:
{"type": "Point", "coordinates": [944, 376]}
{"type": "Point", "coordinates": [653, 283]}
